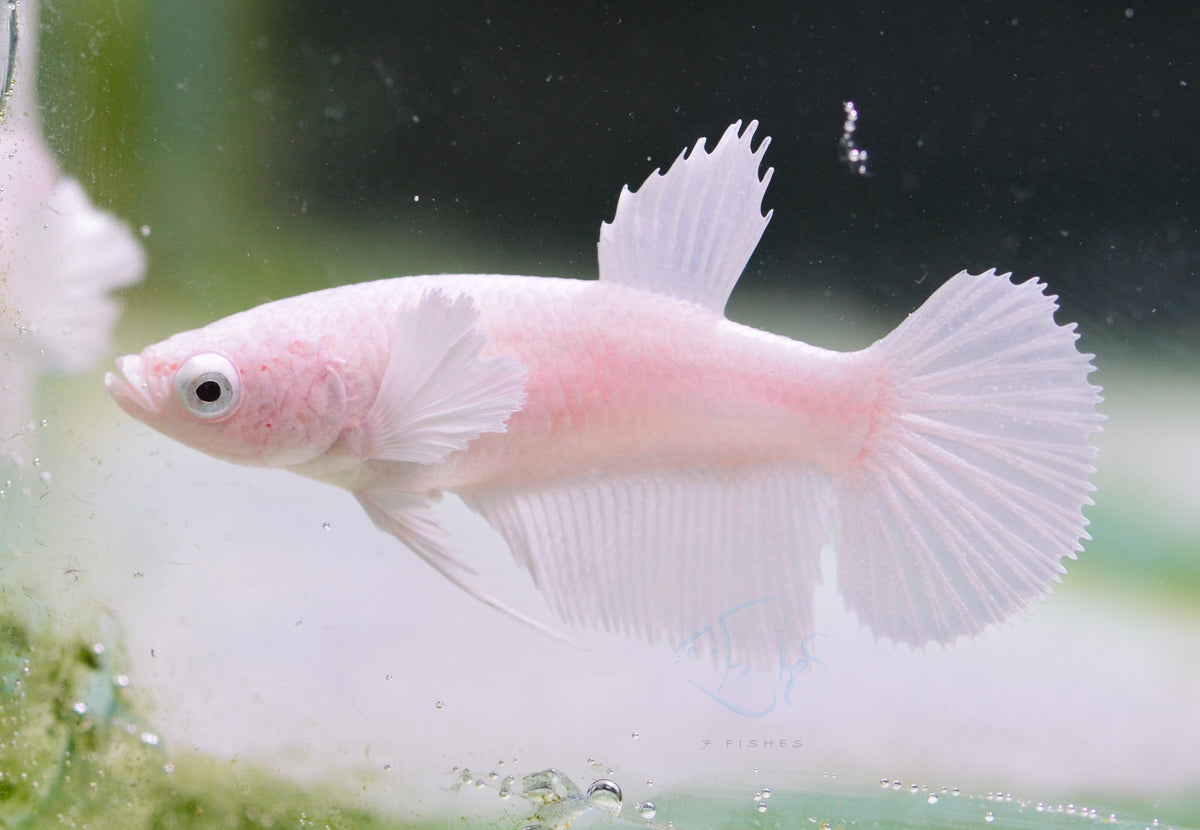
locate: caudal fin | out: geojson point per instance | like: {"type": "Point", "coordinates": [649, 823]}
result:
{"type": "Point", "coordinates": [970, 493]}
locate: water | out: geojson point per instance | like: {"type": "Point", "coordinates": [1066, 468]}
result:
{"type": "Point", "coordinates": [269, 658]}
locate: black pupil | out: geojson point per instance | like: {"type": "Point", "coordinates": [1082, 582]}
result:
{"type": "Point", "coordinates": [208, 391]}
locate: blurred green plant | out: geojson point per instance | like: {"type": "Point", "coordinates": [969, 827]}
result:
{"type": "Point", "coordinates": [75, 754]}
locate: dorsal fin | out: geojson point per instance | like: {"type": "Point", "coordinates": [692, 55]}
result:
{"type": "Point", "coordinates": [689, 232]}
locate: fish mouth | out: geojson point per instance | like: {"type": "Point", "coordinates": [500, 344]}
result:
{"type": "Point", "coordinates": [131, 392]}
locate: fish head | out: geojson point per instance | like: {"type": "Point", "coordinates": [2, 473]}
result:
{"type": "Point", "coordinates": [238, 391]}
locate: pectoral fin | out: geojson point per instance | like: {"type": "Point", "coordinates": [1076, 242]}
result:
{"type": "Point", "coordinates": [438, 392]}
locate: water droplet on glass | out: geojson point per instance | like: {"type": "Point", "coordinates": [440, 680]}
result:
{"type": "Point", "coordinates": [988, 817]}
{"type": "Point", "coordinates": [441, 704]}
{"type": "Point", "coordinates": [762, 808]}
{"type": "Point", "coordinates": [647, 810]}
{"type": "Point", "coordinates": [149, 739]}
{"type": "Point", "coordinates": [766, 792]}
{"type": "Point", "coordinates": [145, 229]}
{"type": "Point", "coordinates": [326, 526]}
{"type": "Point", "coordinates": [895, 785]}
{"type": "Point", "coordinates": [635, 736]}
{"type": "Point", "coordinates": [884, 782]}
{"type": "Point", "coordinates": [605, 794]}
{"type": "Point", "coordinates": [933, 799]}
{"type": "Point", "coordinates": [387, 767]}
{"type": "Point", "coordinates": [122, 680]}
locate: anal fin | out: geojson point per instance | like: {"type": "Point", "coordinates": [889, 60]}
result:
{"type": "Point", "coordinates": [661, 554]}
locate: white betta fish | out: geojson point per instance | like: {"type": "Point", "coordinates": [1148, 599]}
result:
{"type": "Point", "coordinates": [651, 463]}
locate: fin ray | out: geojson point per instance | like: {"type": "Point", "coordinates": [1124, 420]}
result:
{"type": "Point", "coordinates": [438, 392]}
{"type": "Point", "coordinates": [658, 554]}
{"type": "Point", "coordinates": [973, 490]}
{"type": "Point", "coordinates": [689, 232]}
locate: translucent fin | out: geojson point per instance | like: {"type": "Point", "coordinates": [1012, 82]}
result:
{"type": "Point", "coordinates": [690, 232]}
{"type": "Point", "coordinates": [68, 255]}
{"type": "Point", "coordinates": [960, 509]}
{"type": "Point", "coordinates": [663, 555]}
{"type": "Point", "coordinates": [409, 517]}
{"type": "Point", "coordinates": [438, 392]}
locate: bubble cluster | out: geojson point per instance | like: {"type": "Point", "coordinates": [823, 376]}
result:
{"type": "Point", "coordinates": [853, 156]}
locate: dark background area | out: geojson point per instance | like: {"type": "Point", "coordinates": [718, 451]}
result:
{"type": "Point", "coordinates": [1056, 139]}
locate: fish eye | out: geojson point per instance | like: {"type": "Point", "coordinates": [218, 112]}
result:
{"type": "Point", "coordinates": [208, 385]}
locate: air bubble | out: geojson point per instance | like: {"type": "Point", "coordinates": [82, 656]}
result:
{"type": "Point", "coordinates": [326, 526]}
{"type": "Point", "coordinates": [605, 795]}
{"type": "Point", "coordinates": [647, 810]}
{"type": "Point", "coordinates": [933, 799]}
{"type": "Point", "coordinates": [762, 808]}
{"type": "Point", "coordinates": [441, 704]}
{"type": "Point", "coordinates": [988, 817]}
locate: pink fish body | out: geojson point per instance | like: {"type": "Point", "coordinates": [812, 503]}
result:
{"type": "Point", "coordinates": [650, 462]}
